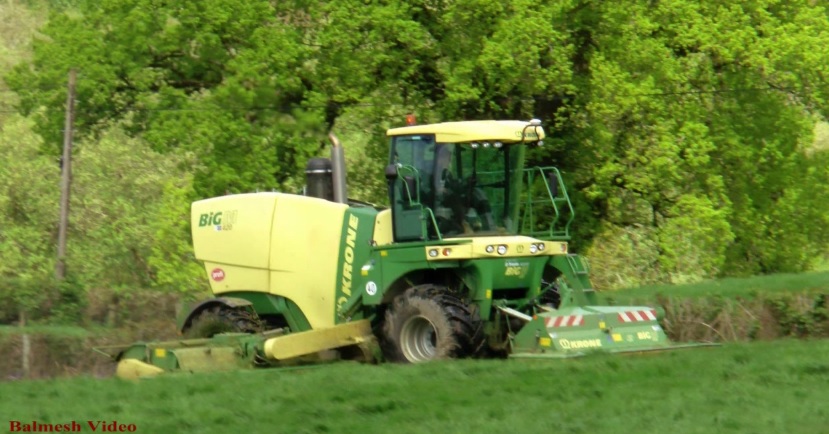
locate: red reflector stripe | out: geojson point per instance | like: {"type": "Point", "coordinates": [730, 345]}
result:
{"type": "Point", "coordinates": [564, 321]}
{"type": "Point", "coordinates": [637, 315]}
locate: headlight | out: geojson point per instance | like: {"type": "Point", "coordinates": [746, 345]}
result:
{"type": "Point", "coordinates": [490, 249]}
{"type": "Point", "coordinates": [533, 248]}
{"type": "Point", "coordinates": [502, 250]}
{"type": "Point", "coordinates": [433, 253]}
{"type": "Point", "coordinates": [540, 247]}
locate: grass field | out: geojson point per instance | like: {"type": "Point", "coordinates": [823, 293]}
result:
{"type": "Point", "coordinates": [769, 387]}
{"type": "Point", "coordinates": [731, 287]}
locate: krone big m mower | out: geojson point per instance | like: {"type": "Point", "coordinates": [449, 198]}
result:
{"type": "Point", "coordinates": [470, 259]}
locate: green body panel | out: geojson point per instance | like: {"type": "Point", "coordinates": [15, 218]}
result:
{"type": "Point", "coordinates": [355, 253]}
{"type": "Point", "coordinates": [576, 287]}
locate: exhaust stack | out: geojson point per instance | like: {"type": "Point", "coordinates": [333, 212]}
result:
{"type": "Point", "coordinates": [338, 168]}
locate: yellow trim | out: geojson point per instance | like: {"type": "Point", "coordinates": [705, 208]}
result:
{"type": "Point", "coordinates": [132, 369]}
{"type": "Point", "coordinates": [382, 228]}
{"type": "Point", "coordinates": [517, 246]}
{"type": "Point", "coordinates": [312, 341]}
{"type": "Point", "coordinates": [474, 131]}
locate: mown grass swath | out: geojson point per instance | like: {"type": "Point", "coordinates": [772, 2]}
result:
{"type": "Point", "coordinates": [731, 287]}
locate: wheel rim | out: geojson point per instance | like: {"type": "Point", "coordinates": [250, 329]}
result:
{"type": "Point", "coordinates": [418, 339]}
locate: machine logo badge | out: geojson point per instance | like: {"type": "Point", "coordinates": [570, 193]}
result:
{"type": "Point", "coordinates": [371, 288]}
{"type": "Point", "coordinates": [220, 221]}
{"type": "Point", "coordinates": [217, 274]}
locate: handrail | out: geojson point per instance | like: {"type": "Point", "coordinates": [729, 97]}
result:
{"type": "Point", "coordinates": [528, 223]}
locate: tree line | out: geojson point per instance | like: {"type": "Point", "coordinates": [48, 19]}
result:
{"type": "Point", "coordinates": [685, 129]}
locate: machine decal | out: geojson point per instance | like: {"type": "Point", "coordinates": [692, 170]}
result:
{"type": "Point", "coordinates": [564, 321]}
{"type": "Point", "coordinates": [220, 221]}
{"type": "Point", "coordinates": [580, 344]}
{"type": "Point", "coordinates": [348, 254]}
{"type": "Point", "coordinates": [645, 336]}
{"type": "Point", "coordinates": [637, 315]}
{"type": "Point", "coordinates": [217, 274]}
{"type": "Point", "coordinates": [528, 134]}
{"type": "Point", "coordinates": [371, 288]}
{"type": "Point", "coordinates": [516, 269]}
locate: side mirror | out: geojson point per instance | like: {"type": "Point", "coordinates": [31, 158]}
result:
{"type": "Point", "coordinates": [391, 172]}
{"type": "Point", "coordinates": [552, 181]}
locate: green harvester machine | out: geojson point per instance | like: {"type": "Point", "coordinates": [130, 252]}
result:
{"type": "Point", "coordinates": [470, 259]}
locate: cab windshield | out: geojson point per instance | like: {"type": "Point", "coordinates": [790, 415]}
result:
{"type": "Point", "coordinates": [471, 188]}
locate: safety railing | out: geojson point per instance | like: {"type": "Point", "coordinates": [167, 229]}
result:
{"type": "Point", "coordinates": [546, 208]}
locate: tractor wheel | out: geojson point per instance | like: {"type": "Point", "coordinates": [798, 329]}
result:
{"type": "Point", "coordinates": [427, 322]}
{"type": "Point", "coordinates": [223, 319]}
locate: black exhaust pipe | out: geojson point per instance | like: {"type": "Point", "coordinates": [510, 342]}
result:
{"type": "Point", "coordinates": [318, 179]}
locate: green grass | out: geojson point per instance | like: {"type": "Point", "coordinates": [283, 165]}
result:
{"type": "Point", "coordinates": [53, 330]}
{"type": "Point", "coordinates": [769, 387]}
{"type": "Point", "coordinates": [732, 287]}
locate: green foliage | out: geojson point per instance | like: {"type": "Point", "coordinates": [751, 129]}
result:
{"type": "Point", "coordinates": [686, 130]}
{"type": "Point", "coordinates": [29, 197]}
{"type": "Point", "coordinates": [174, 265]}
{"type": "Point", "coordinates": [691, 127]}
{"type": "Point", "coordinates": [121, 190]}
{"type": "Point", "coordinates": [18, 23]}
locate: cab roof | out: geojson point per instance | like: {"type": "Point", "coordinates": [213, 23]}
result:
{"type": "Point", "coordinates": [474, 131]}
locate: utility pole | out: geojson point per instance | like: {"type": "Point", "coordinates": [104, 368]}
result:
{"type": "Point", "coordinates": [66, 177]}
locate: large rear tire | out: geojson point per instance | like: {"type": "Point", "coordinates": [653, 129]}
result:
{"type": "Point", "coordinates": [428, 322]}
{"type": "Point", "coordinates": [223, 319]}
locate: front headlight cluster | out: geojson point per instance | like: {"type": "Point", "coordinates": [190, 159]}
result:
{"type": "Point", "coordinates": [433, 253]}
{"type": "Point", "coordinates": [502, 248]}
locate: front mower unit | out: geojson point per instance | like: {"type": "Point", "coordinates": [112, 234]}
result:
{"type": "Point", "coordinates": [233, 351]}
{"type": "Point", "coordinates": [577, 331]}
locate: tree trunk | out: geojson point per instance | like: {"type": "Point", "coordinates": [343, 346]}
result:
{"type": "Point", "coordinates": [27, 347]}
{"type": "Point", "coordinates": [112, 314]}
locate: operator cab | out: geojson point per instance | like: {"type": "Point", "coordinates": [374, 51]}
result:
{"type": "Point", "coordinates": [458, 179]}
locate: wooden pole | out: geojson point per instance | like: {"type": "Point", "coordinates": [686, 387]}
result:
{"type": "Point", "coordinates": [66, 177]}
